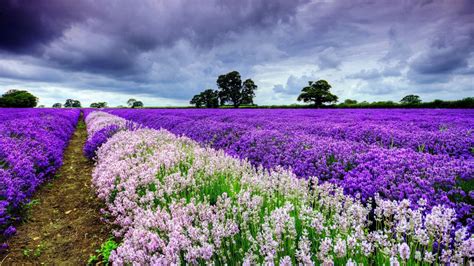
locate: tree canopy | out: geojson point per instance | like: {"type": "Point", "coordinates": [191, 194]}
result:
{"type": "Point", "coordinates": [130, 102]}
{"type": "Point", "coordinates": [350, 101]}
{"type": "Point", "coordinates": [57, 105]}
{"type": "Point", "coordinates": [231, 89]}
{"type": "Point", "coordinates": [248, 92]}
{"type": "Point", "coordinates": [137, 104]}
{"type": "Point", "coordinates": [98, 105]}
{"type": "Point", "coordinates": [208, 98]}
{"type": "Point", "coordinates": [18, 98]}
{"type": "Point", "coordinates": [317, 93]}
{"type": "Point", "coordinates": [411, 99]}
{"type": "Point", "coordinates": [72, 103]}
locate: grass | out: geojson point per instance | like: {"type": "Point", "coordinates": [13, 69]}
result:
{"type": "Point", "coordinates": [28, 207]}
{"type": "Point", "coordinates": [36, 252]}
{"type": "Point", "coordinates": [81, 125]}
{"type": "Point", "coordinates": [102, 255]}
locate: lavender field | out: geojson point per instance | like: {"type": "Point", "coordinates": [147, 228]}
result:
{"type": "Point", "coordinates": [404, 154]}
{"type": "Point", "coordinates": [32, 142]}
{"type": "Point", "coordinates": [286, 186]}
{"type": "Point", "coordinates": [237, 132]}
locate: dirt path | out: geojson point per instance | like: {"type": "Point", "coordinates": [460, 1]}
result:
{"type": "Point", "coordinates": [64, 226]}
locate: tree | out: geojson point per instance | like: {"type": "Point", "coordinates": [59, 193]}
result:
{"type": "Point", "coordinates": [130, 102]}
{"type": "Point", "coordinates": [98, 105]}
{"type": "Point", "coordinates": [350, 102]}
{"type": "Point", "coordinates": [248, 92]}
{"type": "Point", "coordinates": [232, 90]}
{"type": "Point", "coordinates": [411, 99]}
{"type": "Point", "coordinates": [209, 98]}
{"type": "Point", "coordinates": [197, 100]}
{"type": "Point", "coordinates": [72, 103]}
{"type": "Point", "coordinates": [57, 105]}
{"type": "Point", "coordinates": [18, 98]}
{"type": "Point", "coordinates": [317, 92]}
{"type": "Point", "coordinates": [137, 104]}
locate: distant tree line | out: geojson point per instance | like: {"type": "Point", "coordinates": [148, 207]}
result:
{"type": "Point", "coordinates": [233, 92]}
{"type": "Point", "coordinates": [99, 105]}
{"type": "Point", "coordinates": [410, 102]}
{"type": "Point", "coordinates": [230, 90]}
{"type": "Point", "coordinates": [132, 103]}
{"type": "Point", "coordinates": [71, 103]}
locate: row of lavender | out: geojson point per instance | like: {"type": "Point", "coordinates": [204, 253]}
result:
{"type": "Point", "coordinates": [177, 202]}
{"type": "Point", "coordinates": [349, 148]}
{"type": "Point", "coordinates": [433, 131]}
{"type": "Point", "coordinates": [32, 142]}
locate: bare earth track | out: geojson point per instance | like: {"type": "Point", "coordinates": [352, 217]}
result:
{"type": "Point", "coordinates": [64, 227]}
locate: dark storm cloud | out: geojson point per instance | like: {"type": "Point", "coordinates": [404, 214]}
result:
{"type": "Point", "coordinates": [448, 54]}
{"type": "Point", "coordinates": [111, 35]}
{"type": "Point", "coordinates": [26, 24]}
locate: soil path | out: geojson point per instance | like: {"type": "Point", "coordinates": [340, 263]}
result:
{"type": "Point", "coordinates": [64, 226]}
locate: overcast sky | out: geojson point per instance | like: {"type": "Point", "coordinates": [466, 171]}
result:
{"type": "Point", "coordinates": [165, 51]}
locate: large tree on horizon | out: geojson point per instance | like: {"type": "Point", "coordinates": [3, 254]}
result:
{"type": "Point", "coordinates": [18, 98]}
{"type": "Point", "coordinates": [231, 89]}
{"type": "Point", "coordinates": [208, 98]}
{"type": "Point", "coordinates": [72, 103]}
{"type": "Point", "coordinates": [317, 93]}
{"type": "Point", "coordinates": [130, 102]}
{"type": "Point", "coordinates": [411, 99]}
{"type": "Point", "coordinates": [99, 105]}
{"type": "Point", "coordinates": [137, 104]}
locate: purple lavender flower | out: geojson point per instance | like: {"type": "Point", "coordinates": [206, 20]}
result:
{"type": "Point", "coordinates": [99, 138]}
{"type": "Point", "coordinates": [32, 142]}
{"type": "Point", "coordinates": [399, 154]}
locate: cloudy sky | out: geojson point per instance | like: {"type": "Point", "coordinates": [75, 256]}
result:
{"type": "Point", "coordinates": [165, 51]}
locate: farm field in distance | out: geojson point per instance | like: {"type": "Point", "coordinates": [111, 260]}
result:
{"type": "Point", "coordinates": [253, 186]}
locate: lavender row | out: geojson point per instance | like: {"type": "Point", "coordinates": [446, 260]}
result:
{"type": "Point", "coordinates": [431, 131]}
{"type": "Point", "coordinates": [176, 202]}
{"type": "Point", "coordinates": [31, 150]}
{"type": "Point", "coordinates": [100, 127]}
{"type": "Point", "coordinates": [360, 168]}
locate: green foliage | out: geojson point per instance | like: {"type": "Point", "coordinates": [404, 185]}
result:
{"type": "Point", "coordinates": [36, 252]}
{"type": "Point", "coordinates": [98, 105]}
{"type": "Point", "coordinates": [72, 103]}
{"type": "Point", "coordinates": [318, 93]}
{"type": "Point", "coordinates": [81, 125]}
{"type": "Point", "coordinates": [248, 92]}
{"type": "Point", "coordinates": [18, 98]}
{"type": "Point", "coordinates": [57, 105]}
{"type": "Point", "coordinates": [464, 103]}
{"type": "Point", "coordinates": [103, 254]}
{"type": "Point", "coordinates": [208, 98]}
{"type": "Point", "coordinates": [27, 207]}
{"type": "Point", "coordinates": [411, 99]}
{"type": "Point", "coordinates": [130, 102]}
{"type": "Point", "coordinates": [137, 104]}
{"type": "Point", "coordinates": [231, 89]}
{"type": "Point", "coordinates": [32, 203]}
{"type": "Point", "coordinates": [349, 102]}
